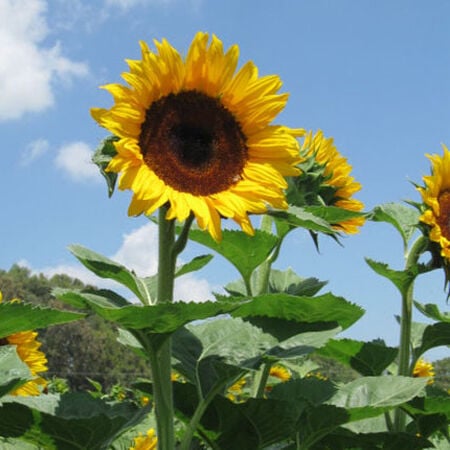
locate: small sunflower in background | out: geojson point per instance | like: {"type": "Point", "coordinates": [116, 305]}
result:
{"type": "Point", "coordinates": [197, 135]}
{"type": "Point", "coordinates": [424, 368]}
{"type": "Point", "coordinates": [436, 199]}
{"type": "Point", "coordinates": [147, 442]}
{"type": "Point", "coordinates": [27, 348]}
{"type": "Point", "coordinates": [326, 181]}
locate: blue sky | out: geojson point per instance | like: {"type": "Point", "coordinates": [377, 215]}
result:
{"type": "Point", "coordinates": [374, 75]}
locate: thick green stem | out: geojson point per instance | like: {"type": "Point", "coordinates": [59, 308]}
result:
{"type": "Point", "coordinates": [160, 358]}
{"type": "Point", "coordinates": [404, 354]}
{"type": "Point", "coordinates": [263, 271]}
{"type": "Point", "coordinates": [261, 380]}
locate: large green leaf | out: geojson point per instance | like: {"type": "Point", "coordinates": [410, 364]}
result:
{"type": "Point", "coordinates": [434, 336]}
{"type": "Point", "coordinates": [107, 268]}
{"type": "Point", "coordinates": [367, 358]}
{"type": "Point", "coordinates": [19, 316]}
{"type": "Point", "coordinates": [13, 371]}
{"type": "Point", "coordinates": [324, 309]}
{"type": "Point", "coordinates": [432, 311]}
{"type": "Point", "coordinates": [82, 299]}
{"type": "Point", "coordinates": [71, 421]}
{"type": "Point", "coordinates": [429, 405]}
{"type": "Point", "coordinates": [378, 392]}
{"type": "Point", "coordinates": [333, 214]}
{"type": "Point", "coordinates": [402, 217]}
{"type": "Point", "coordinates": [245, 252]}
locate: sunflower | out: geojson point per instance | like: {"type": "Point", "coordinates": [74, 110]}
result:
{"type": "Point", "coordinates": [326, 180]}
{"type": "Point", "coordinates": [424, 369]}
{"type": "Point", "coordinates": [436, 196]}
{"type": "Point", "coordinates": [236, 390]}
{"type": "Point", "coordinates": [27, 348]}
{"type": "Point", "coordinates": [195, 133]}
{"type": "Point", "coordinates": [280, 372]}
{"type": "Point", "coordinates": [147, 442]}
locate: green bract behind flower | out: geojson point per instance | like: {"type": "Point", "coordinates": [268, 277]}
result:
{"type": "Point", "coordinates": [198, 135]}
{"type": "Point", "coordinates": [325, 180]}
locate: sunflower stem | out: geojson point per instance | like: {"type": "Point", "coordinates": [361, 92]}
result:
{"type": "Point", "coordinates": [261, 380]}
{"type": "Point", "coordinates": [160, 359]}
{"type": "Point", "coordinates": [404, 354]}
{"type": "Point", "coordinates": [263, 271]}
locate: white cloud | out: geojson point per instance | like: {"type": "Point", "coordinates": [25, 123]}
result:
{"type": "Point", "coordinates": [29, 70]}
{"type": "Point", "coordinates": [127, 4]}
{"type": "Point", "coordinates": [139, 252]}
{"type": "Point", "coordinates": [33, 151]}
{"type": "Point", "coordinates": [75, 159]}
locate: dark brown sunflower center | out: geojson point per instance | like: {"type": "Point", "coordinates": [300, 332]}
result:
{"type": "Point", "coordinates": [444, 216]}
{"type": "Point", "coordinates": [193, 143]}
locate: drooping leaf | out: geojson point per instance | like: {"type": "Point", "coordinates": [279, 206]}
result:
{"type": "Point", "coordinates": [402, 217]}
{"type": "Point", "coordinates": [245, 252]}
{"type": "Point", "coordinates": [196, 264]}
{"type": "Point", "coordinates": [81, 299]}
{"type": "Point", "coordinates": [333, 214]}
{"type": "Point", "coordinates": [367, 358]}
{"type": "Point", "coordinates": [13, 371]}
{"type": "Point", "coordinates": [297, 217]}
{"type": "Point", "coordinates": [432, 311]}
{"type": "Point", "coordinates": [107, 268]}
{"type": "Point", "coordinates": [434, 335]}
{"type": "Point", "coordinates": [19, 316]}
{"type": "Point", "coordinates": [102, 156]}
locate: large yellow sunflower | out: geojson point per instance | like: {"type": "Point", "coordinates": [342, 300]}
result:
{"type": "Point", "coordinates": [330, 173]}
{"type": "Point", "coordinates": [436, 196]}
{"type": "Point", "coordinates": [27, 347]}
{"type": "Point", "coordinates": [195, 133]}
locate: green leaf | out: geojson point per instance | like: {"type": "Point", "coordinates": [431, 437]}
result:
{"type": "Point", "coordinates": [107, 268]}
{"type": "Point", "coordinates": [429, 405]}
{"type": "Point", "coordinates": [402, 279]}
{"type": "Point", "coordinates": [333, 214]}
{"type": "Point", "coordinates": [401, 216]}
{"type": "Point", "coordinates": [245, 252]}
{"type": "Point", "coordinates": [324, 309]}
{"type": "Point", "coordinates": [102, 156]}
{"type": "Point", "coordinates": [367, 358]}
{"type": "Point", "coordinates": [378, 392]}
{"type": "Point", "coordinates": [19, 316]}
{"type": "Point", "coordinates": [434, 336]}
{"type": "Point", "coordinates": [13, 371]}
{"type": "Point", "coordinates": [81, 299]}
{"type": "Point", "coordinates": [286, 281]}
{"type": "Point", "coordinates": [163, 317]}
{"type": "Point", "coordinates": [196, 264]}
{"type": "Point", "coordinates": [432, 311]}
{"type": "Point", "coordinates": [298, 217]}
{"type": "Point", "coordinates": [71, 421]}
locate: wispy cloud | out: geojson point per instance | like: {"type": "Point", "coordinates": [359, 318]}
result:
{"type": "Point", "coordinates": [75, 159]}
{"type": "Point", "coordinates": [29, 69]}
{"type": "Point", "coordinates": [33, 151]}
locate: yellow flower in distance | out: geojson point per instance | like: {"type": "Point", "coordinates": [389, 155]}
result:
{"type": "Point", "coordinates": [328, 181]}
{"type": "Point", "coordinates": [424, 369]}
{"type": "Point", "coordinates": [436, 196]}
{"type": "Point", "coordinates": [147, 442]}
{"type": "Point", "coordinates": [195, 133]}
{"type": "Point", "coordinates": [280, 372]}
{"type": "Point", "coordinates": [27, 348]}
